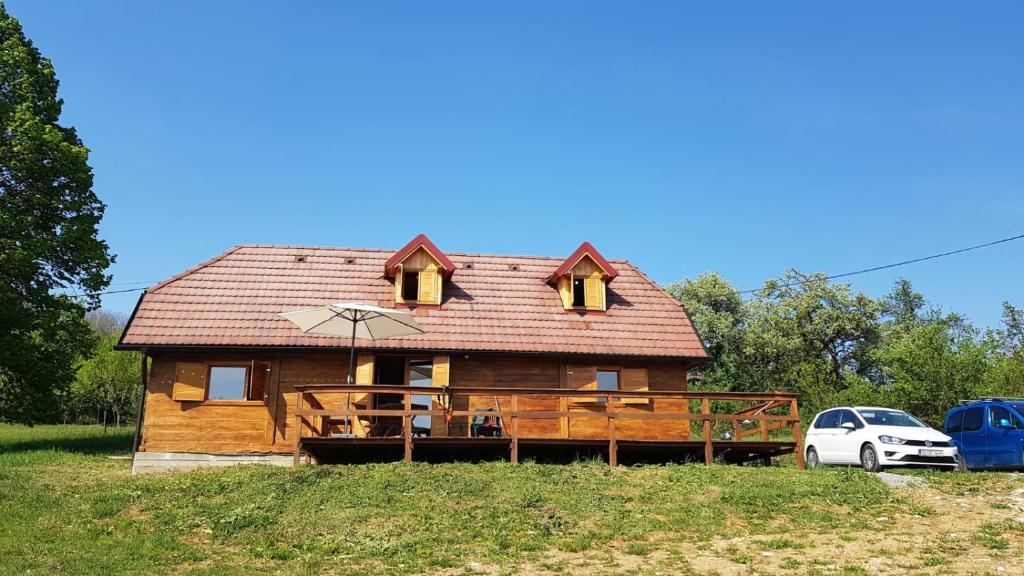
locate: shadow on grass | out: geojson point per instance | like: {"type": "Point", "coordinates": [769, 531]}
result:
{"type": "Point", "coordinates": [114, 442]}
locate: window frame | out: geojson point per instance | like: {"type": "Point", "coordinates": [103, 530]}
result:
{"type": "Point", "coordinates": [617, 370]}
{"type": "Point", "coordinates": [981, 419]}
{"type": "Point", "coordinates": [829, 413]}
{"type": "Point", "coordinates": [414, 287]}
{"type": "Point", "coordinates": [247, 388]}
{"type": "Point", "coordinates": [1014, 423]}
{"type": "Point", "coordinates": [955, 422]}
{"type": "Point", "coordinates": [582, 292]}
{"type": "Point", "coordinates": [844, 413]}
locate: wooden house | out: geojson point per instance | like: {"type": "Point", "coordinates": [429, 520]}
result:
{"type": "Point", "coordinates": [518, 359]}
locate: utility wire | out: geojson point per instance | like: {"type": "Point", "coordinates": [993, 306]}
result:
{"type": "Point", "coordinates": [894, 264]}
{"type": "Point", "coordinates": [748, 291]}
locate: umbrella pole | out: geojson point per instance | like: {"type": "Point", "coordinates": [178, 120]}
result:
{"type": "Point", "coordinates": [351, 364]}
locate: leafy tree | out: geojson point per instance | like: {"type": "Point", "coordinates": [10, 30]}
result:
{"type": "Point", "coordinates": [718, 313]}
{"type": "Point", "coordinates": [933, 366]}
{"type": "Point", "coordinates": [832, 323]}
{"type": "Point", "coordinates": [48, 235]}
{"type": "Point", "coordinates": [1013, 329]}
{"type": "Point", "coordinates": [107, 383]}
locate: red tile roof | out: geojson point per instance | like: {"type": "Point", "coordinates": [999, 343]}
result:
{"type": "Point", "coordinates": [491, 303]}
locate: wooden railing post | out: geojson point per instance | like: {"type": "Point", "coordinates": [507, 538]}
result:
{"type": "Point", "coordinates": [299, 400]}
{"type": "Point", "coordinates": [407, 428]}
{"type": "Point", "coordinates": [515, 429]}
{"type": "Point", "coordinates": [794, 412]}
{"type": "Point", "coordinates": [613, 446]}
{"type": "Point", "coordinates": [764, 429]}
{"type": "Point", "coordinates": [709, 448]}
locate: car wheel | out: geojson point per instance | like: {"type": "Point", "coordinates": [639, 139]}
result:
{"type": "Point", "coordinates": [812, 458]}
{"type": "Point", "coordinates": [961, 465]}
{"type": "Point", "coordinates": [869, 459]}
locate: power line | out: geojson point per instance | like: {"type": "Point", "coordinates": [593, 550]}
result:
{"type": "Point", "coordinates": [147, 282]}
{"type": "Point", "coordinates": [894, 264]}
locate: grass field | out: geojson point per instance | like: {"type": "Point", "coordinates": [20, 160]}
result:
{"type": "Point", "coordinates": [69, 506]}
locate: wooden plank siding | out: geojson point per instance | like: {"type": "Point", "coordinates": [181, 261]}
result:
{"type": "Point", "coordinates": [256, 426]}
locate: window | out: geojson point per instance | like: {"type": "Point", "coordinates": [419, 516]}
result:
{"type": "Point", "coordinates": [828, 419]}
{"type": "Point", "coordinates": [890, 418]}
{"type": "Point", "coordinates": [607, 380]}
{"type": "Point", "coordinates": [848, 416]}
{"type": "Point", "coordinates": [1000, 417]}
{"type": "Point", "coordinates": [410, 286]}
{"type": "Point", "coordinates": [228, 383]}
{"type": "Point", "coordinates": [200, 381]}
{"type": "Point", "coordinates": [972, 419]}
{"type": "Point", "coordinates": [579, 293]}
{"type": "Point", "coordinates": [955, 422]}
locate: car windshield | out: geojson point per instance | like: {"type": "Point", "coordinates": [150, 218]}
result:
{"type": "Point", "coordinates": [890, 418]}
{"type": "Point", "coordinates": [1019, 407]}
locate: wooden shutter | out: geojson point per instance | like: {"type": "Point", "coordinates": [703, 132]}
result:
{"type": "Point", "coordinates": [565, 291]}
{"type": "Point", "coordinates": [189, 382]}
{"type": "Point", "coordinates": [363, 376]}
{"type": "Point", "coordinates": [442, 370]}
{"type": "Point", "coordinates": [634, 379]}
{"type": "Point", "coordinates": [428, 286]}
{"type": "Point", "coordinates": [593, 293]}
{"type": "Point", "coordinates": [259, 375]}
{"type": "Point", "coordinates": [364, 369]}
{"type": "Point", "coordinates": [398, 285]}
{"type": "Point", "coordinates": [583, 378]}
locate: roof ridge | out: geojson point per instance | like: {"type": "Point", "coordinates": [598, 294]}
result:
{"type": "Point", "coordinates": [196, 268]}
{"type": "Point", "coordinates": [357, 249]}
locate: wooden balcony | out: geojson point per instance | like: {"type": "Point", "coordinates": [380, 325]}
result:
{"type": "Point", "coordinates": [344, 423]}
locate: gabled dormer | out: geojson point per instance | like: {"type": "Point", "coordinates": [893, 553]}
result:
{"type": "Point", "coordinates": [582, 279]}
{"type": "Point", "coordinates": [419, 270]}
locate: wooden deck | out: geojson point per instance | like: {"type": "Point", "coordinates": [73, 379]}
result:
{"type": "Point", "coordinates": [734, 427]}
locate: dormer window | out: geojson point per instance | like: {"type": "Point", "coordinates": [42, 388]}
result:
{"type": "Point", "coordinates": [582, 280]}
{"type": "Point", "coordinates": [419, 270]}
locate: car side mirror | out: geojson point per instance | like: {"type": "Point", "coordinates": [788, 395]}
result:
{"type": "Point", "coordinates": [847, 426]}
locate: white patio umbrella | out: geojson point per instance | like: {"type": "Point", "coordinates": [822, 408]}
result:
{"type": "Point", "coordinates": [354, 320]}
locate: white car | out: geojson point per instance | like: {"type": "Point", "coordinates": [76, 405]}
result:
{"type": "Point", "coordinates": [876, 438]}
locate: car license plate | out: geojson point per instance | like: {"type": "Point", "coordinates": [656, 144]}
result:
{"type": "Point", "coordinates": [929, 452]}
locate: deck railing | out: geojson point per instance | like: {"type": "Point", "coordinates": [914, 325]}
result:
{"type": "Point", "coordinates": [313, 419]}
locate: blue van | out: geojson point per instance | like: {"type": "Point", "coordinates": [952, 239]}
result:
{"type": "Point", "coordinates": [988, 433]}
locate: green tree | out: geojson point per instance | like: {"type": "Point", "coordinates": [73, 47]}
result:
{"type": "Point", "coordinates": [107, 383]}
{"type": "Point", "coordinates": [934, 365]}
{"type": "Point", "coordinates": [718, 313]}
{"type": "Point", "coordinates": [48, 235]}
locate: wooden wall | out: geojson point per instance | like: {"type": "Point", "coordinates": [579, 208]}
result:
{"type": "Point", "coordinates": [254, 426]}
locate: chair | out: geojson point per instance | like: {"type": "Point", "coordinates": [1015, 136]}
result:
{"type": "Point", "coordinates": [485, 426]}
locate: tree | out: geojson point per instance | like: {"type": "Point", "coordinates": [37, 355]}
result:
{"type": "Point", "coordinates": [107, 383]}
{"type": "Point", "coordinates": [718, 312]}
{"type": "Point", "coordinates": [1013, 329]}
{"type": "Point", "coordinates": [106, 323]}
{"type": "Point", "coordinates": [49, 217]}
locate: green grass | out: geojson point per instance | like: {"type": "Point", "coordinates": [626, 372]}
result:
{"type": "Point", "coordinates": [68, 508]}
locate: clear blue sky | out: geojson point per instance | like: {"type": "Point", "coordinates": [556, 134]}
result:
{"type": "Point", "coordinates": [687, 137]}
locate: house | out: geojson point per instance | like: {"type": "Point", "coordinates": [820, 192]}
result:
{"type": "Point", "coordinates": [516, 355]}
